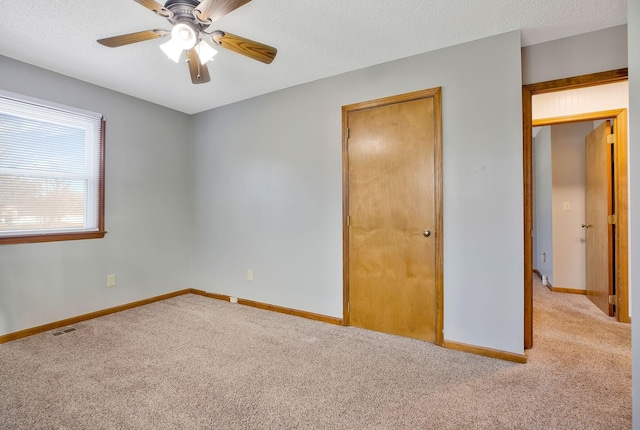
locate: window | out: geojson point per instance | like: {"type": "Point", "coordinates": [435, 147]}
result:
{"type": "Point", "coordinates": [51, 172]}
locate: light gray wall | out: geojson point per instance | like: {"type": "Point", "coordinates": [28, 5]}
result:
{"type": "Point", "coordinates": [568, 183]}
{"type": "Point", "coordinates": [267, 186]}
{"type": "Point", "coordinates": [597, 51]}
{"type": "Point", "coordinates": [147, 211]}
{"type": "Point", "coordinates": [634, 190]}
{"type": "Point", "coordinates": [542, 202]}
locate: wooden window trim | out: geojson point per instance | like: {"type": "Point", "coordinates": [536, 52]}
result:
{"type": "Point", "coordinates": [58, 237]}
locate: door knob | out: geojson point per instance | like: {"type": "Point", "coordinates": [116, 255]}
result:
{"type": "Point", "coordinates": [426, 233]}
{"type": "Point", "coordinates": [586, 225]}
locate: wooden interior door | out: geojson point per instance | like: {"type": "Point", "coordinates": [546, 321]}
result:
{"type": "Point", "coordinates": [392, 218]}
{"type": "Point", "coordinates": [598, 207]}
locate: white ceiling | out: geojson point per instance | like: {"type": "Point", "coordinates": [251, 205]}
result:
{"type": "Point", "coordinates": [315, 39]}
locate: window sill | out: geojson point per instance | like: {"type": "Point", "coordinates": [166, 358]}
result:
{"type": "Point", "coordinates": [58, 237]}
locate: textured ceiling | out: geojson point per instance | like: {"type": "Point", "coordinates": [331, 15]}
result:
{"type": "Point", "coordinates": [315, 39]}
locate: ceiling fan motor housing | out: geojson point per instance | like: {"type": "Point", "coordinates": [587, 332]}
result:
{"type": "Point", "coordinates": [182, 11]}
{"type": "Point", "coordinates": [191, 3]}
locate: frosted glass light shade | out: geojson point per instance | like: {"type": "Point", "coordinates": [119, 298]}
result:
{"type": "Point", "coordinates": [172, 50]}
{"type": "Point", "coordinates": [205, 52]}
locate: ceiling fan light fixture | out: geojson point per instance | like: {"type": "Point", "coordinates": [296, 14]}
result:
{"type": "Point", "coordinates": [172, 50]}
{"type": "Point", "coordinates": [190, 20]}
{"type": "Point", "coordinates": [205, 52]}
{"type": "Point", "coordinates": [184, 35]}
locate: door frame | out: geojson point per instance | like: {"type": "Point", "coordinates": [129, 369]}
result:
{"type": "Point", "coordinates": [621, 193]}
{"type": "Point", "coordinates": [436, 94]}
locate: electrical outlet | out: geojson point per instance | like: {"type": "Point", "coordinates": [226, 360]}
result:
{"type": "Point", "coordinates": [111, 280]}
{"type": "Point", "coordinates": [233, 299]}
{"type": "Point", "coordinates": [250, 275]}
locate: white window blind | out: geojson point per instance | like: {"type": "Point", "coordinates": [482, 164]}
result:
{"type": "Point", "coordinates": [49, 169]}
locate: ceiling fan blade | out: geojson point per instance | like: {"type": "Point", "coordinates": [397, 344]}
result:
{"type": "Point", "coordinates": [199, 72]}
{"type": "Point", "coordinates": [155, 7]}
{"type": "Point", "coordinates": [246, 47]}
{"type": "Point", "coordinates": [126, 39]}
{"type": "Point", "coordinates": [216, 9]}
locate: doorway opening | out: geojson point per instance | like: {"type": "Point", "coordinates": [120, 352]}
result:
{"type": "Point", "coordinates": [574, 206]}
{"type": "Point", "coordinates": [620, 193]}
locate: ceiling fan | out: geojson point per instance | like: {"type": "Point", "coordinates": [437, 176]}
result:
{"type": "Point", "coordinates": [191, 20]}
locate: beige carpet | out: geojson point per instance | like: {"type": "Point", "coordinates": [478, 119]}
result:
{"type": "Point", "coordinates": [198, 363]}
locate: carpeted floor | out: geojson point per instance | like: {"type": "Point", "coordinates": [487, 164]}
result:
{"type": "Point", "coordinates": [198, 363]}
